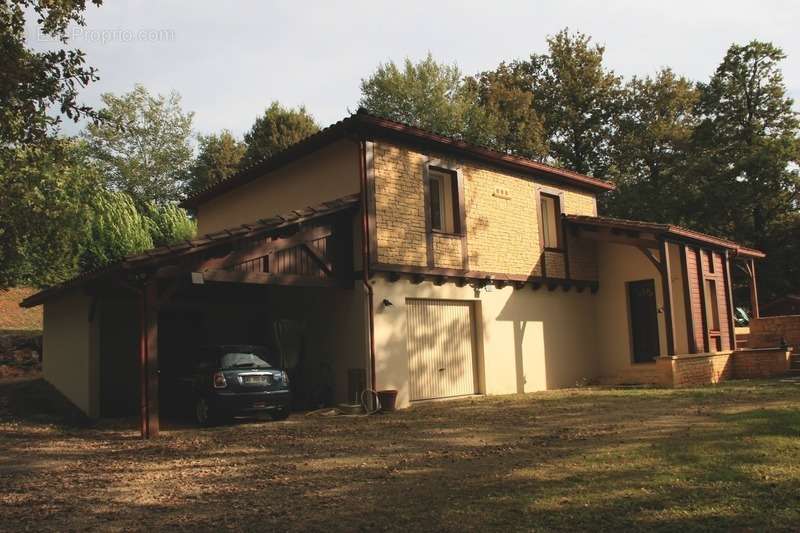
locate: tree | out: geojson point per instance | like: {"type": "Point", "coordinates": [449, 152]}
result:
{"type": "Point", "coordinates": [277, 129]}
{"type": "Point", "coordinates": [650, 147]}
{"type": "Point", "coordinates": [218, 158]}
{"type": "Point", "coordinates": [504, 116]}
{"type": "Point", "coordinates": [37, 88]}
{"type": "Point", "coordinates": [143, 147]}
{"type": "Point", "coordinates": [577, 98]}
{"type": "Point", "coordinates": [169, 224]}
{"type": "Point", "coordinates": [427, 95]}
{"type": "Point", "coordinates": [746, 152]}
{"type": "Point", "coordinates": [117, 230]}
{"type": "Point", "coordinates": [43, 212]}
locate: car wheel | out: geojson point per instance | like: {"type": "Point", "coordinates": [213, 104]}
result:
{"type": "Point", "coordinates": [280, 414]}
{"type": "Point", "coordinates": [202, 412]}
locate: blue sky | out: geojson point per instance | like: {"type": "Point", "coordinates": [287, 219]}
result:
{"type": "Point", "coordinates": [228, 60]}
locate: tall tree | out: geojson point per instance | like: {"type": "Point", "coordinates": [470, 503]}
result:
{"type": "Point", "coordinates": [747, 142]}
{"type": "Point", "coordinates": [117, 229]}
{"type": "Point", "coordinates": [38, 88]}
{"type": "Point", "coordinates": [43, 212]}
{"type": "Point", "coordinates": [278, 128]}
{"type": "Point", "coordinates": [144, 145]}
{"type": "Point", "coordinates": [218, 158]}
{"type": "Point", "coordinates": [577, 97]}
{"type": "Point", "coordinates": [651, 140]}
{"type": "Point", "coordinates": [427, 94]}
{"type": "Point", "coordinates": [504, 116]}
{"type": "Point", "coordinates": [746, 155]}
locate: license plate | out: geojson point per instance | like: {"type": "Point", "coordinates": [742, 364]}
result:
{"type": "Point", "coordinates": [254, 380]}
{"type": "Point", "coordinates": [259, 404]}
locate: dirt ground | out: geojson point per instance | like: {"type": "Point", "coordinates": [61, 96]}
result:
{"type": "Point", "coordinates": [716, 458]}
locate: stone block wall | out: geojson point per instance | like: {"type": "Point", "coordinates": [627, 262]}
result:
{"type": "Point", "coordinates": [502, 225]}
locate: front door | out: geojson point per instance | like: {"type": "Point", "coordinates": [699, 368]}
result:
{"type": "Point", "coordinates": [644, 320]}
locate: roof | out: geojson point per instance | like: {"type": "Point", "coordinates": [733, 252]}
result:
{"type": "Point", "coordinates": [156, 257]}
{"type": "Point", "coordinates": [665, 230]}
{"type": "Point", "coordinates": [363, 123]}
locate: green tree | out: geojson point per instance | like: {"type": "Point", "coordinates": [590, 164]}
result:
{"type": "Point", "coordinates": [117, 230]}
{"type": "Point", "coordinates": [144, 146]}
{"type": "Point", "coordinates": [578, 99]}
{"type": "Point", "coordinates": [218, 158]}
{"type": "Point", "coordinates": [504, 116]}
{"type": "Point", "coordinates": [745, 157]}
{"type": "Point", "coordinates": [43, 212]}
{"type": "Point", "coordinates": [169, 224]}
{"type": "Point", "coordinates": [427, 94]}
{"type": "Point", "coordinates": [278, 128]}
{"type": "Point", "coordinates": [650, 147]}
{"type": "Point", "coordinates": [38, 88]}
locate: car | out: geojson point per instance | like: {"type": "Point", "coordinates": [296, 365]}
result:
{"type": "Point", "coordinates": [231, 380]}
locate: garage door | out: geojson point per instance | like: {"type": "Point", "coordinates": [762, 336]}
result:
{"type": "Point", "coordinates": [441, 348]}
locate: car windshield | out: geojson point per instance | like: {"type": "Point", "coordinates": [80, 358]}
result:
{"type": "Point", "coordinates": [242, 360]}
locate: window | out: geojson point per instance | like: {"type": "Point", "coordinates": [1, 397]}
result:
{"type": "Point", "coordinates": [550, 213]}
{"type": "Point", "coordinates": [443, 199]}
{"type": "Point", "coordinates": [712, 307]}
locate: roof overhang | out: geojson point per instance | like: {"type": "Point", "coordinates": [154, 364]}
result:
{"type": "Point", "coordinates": [364, 125]}
{"type": "Point", "coordinates": [209, 248]}
{"type": "Point", "coordinates": [642, 232]}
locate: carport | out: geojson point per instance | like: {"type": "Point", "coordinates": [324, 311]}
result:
{"type": "Point", "coordinates": [286, 283]}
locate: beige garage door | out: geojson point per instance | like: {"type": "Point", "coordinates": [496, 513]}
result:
{"type": "Point", "coordinates": [441, 348]}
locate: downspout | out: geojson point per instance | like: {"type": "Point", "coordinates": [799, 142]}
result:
{"type": "Point", "coordinates": [365, 259]}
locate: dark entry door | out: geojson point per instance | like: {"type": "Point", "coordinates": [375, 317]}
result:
{"type": "Point", "coordinates": [644, 320]}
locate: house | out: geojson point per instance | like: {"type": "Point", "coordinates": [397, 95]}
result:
{"type": "Point", "coordinates": [378, 255]}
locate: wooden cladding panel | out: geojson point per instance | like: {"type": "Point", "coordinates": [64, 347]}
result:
{"type": "Point", "coordinates": [711, 267]}
{"type": "Point", "coordinates": [695, 299]}
{"type": "Point", "coordinates": [722, 299]}
{"type": "Point", "coordinates": [296, 261]}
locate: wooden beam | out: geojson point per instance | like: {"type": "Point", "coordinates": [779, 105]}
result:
{"type": "Point", "coordinates": [258, 249]}
{"type": "Point", "coordinates": [666, 284]}
{"type": "Point", "coordinates": [323, 262]}
{"type": "Point", "coordinates": [754, 290]}
{"type": "Point", "coordinates": [701, 280]}
{"type": "Point", "coordinates": [649, 255]}
{"type": "Point", "coordinates": [687, 300]}
{"type": "Point", "coordinates": [726, 278]}
{"type": "Point", "coordinates": [149, 372]}
{"type": "Point", "coordinates": [265, 278]}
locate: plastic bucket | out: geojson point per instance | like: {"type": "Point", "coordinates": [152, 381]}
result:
{"type": "Point", "coordinates": [388, 398]}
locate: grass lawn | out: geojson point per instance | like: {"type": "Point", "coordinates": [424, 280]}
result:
{"type": "Point", "coordinates": [716, 458]}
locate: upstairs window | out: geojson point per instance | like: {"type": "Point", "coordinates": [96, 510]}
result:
{"type": "Point", "coordinates": [550, 219]}
{"type": "Point", "coordinates": [444, 210]}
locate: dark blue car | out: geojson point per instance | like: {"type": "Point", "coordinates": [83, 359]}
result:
{"type": "Point", "coordinates": [228, 381]}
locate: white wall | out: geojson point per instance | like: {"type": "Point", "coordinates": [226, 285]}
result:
{"type": "Point", "coordinates": [527, 340]}
{"type": "Point", "coordinates": [70, 354]}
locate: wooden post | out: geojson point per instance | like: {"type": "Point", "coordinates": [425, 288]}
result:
{"type": "Point", "coordinates": [754, 290]}
{"type": "Point", "coordinates": [726, 271]}
{"type": "Point", "coordinates": [687, 300]}
{"type": "Point", "coordinates": [666, 284]}
{"type": "Point", "coordinates": [148, 360]}
{"type": "Point", "coordinates": [701, 282]}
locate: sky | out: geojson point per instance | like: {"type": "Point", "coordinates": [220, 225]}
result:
{"type": "Point", "coordinates": [229, 59]}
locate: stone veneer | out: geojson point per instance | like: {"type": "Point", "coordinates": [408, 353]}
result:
{"type": "Point", "coordinates": [502, 229]}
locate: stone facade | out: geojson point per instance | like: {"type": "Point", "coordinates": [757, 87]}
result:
{"type": "Point", "coordinates": [502, 225]}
